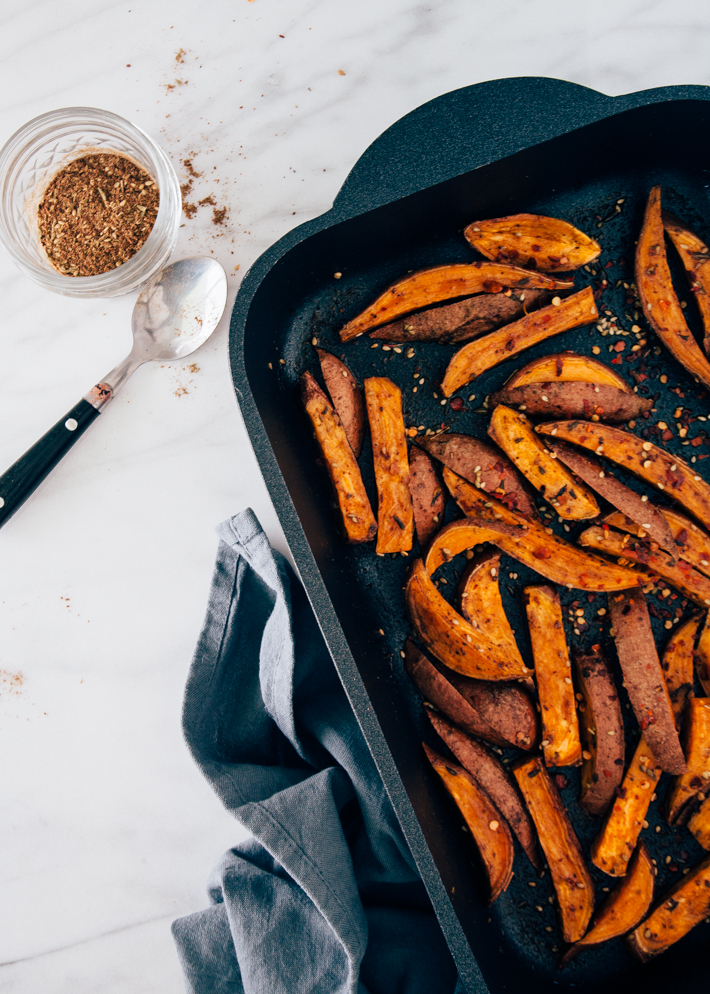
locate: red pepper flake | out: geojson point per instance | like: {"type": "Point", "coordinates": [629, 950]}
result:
{"type": "Point", "coordinates": [667, 435]}
{"type": "Point", "coordinates": [541, 553]}
{"type": "Point", "coordinates": [695, 442]}
{"type": "Point", "coordinates": [617, 361]}
{"type": "Point", "coordinates": [456, 404]}
{"type": "Point", "coordinates": [620, 346]}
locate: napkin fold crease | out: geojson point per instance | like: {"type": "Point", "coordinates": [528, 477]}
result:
{"type": "Point", "coordinates": [325, 898]}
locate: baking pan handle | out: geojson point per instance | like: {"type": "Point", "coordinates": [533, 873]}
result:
{"type": "Point", "coordinates": [463, 130]}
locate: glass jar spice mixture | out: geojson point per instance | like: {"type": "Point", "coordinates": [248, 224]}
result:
{"type": "Point", "coordinates": [96, 213]}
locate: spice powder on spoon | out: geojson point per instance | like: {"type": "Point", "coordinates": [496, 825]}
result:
{"type": "Point", "coordinates": [96, 213]}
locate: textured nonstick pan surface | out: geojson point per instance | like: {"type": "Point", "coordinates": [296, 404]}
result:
{"type": "Point", "coordinates": [534, 145]}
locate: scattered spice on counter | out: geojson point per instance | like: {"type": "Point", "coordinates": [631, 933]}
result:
{"type": "Point", "coordinates": [96, 213]}
{"type": "Point", "coordinates": [218, 215]}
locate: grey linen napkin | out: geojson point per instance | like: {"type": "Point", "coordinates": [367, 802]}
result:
{"type": "Point", "coordinates": [325, 898]}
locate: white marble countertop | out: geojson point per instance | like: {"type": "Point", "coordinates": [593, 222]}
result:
{"type": "Point", "coordinates": [107, 830]}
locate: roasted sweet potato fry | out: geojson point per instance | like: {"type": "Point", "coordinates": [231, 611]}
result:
{"type": "Point", "coordinates": [454, 324]}
{"type": "Point", "coordinates": [572, 399]}
{"type": "Point", "coordinates": [624, 907]}
{"type": "Point", "coordinates": [602, 731]}
{"type": "Point", "coordinates": [358, 520]}
{"type": "Point", "coordinates": [395, 517]}
{"type": "Point", "coordinates": [659, 301]}
{"type": "Point", "coordinates": [428, 499]}
{"type": "Point", "coordinates": [691, 542]}
{"type": "Point", "coordinates": [696, 779]}
{"type": "Point", "coordinates": [643, 678]}
{"type": "Point", "coordinates": [568, 867]}
{"type": "Point", "coordinates": [553, 675]}
{"type": "Point", "coordinates": [485, 353]}
{"type": "Point", "coordinates": [500, 713]}
{"type": "Point", "coordinates": [490, 774]}
{"type": "Point", "coordinates": [670, 474]}
{"type": "Point", "coordinates": [680, 909]}
{"type": "Point", "coordinates": [480, 600]}
{"type": "Point", "coordinates": [702, 656]}
{"type": "Point", "coordinates": [431, 286]}
{"type": "Point", "coordinates": [699, 824]}
{"type": "Point", "coordinates": [648, 517]}
{"type": "Point", "coordinates": [512, 431]}
{"type": "Point", "coordinates": [483, 466]}
{"type": "Point", "coordinates": [694, 255]}
{"type": "Point", "coordinates": [677, 666]}
{"type": "Point", "coordinates": [567, 367]}
{"type": "Point", "coordinates": [626, 549]}
{"type": "Point", "coordinates": [449, 637]}
{"type": "Point", "coordinates": [612, 848]}
{"type": "Point", "coordinates": [543, 243]}
{"type": "Point", "coordinates": [346, 395]}
{"type": "Point", "coordinates": [488, 828]}
{"type": "Point", "coordinates": [524, 540]}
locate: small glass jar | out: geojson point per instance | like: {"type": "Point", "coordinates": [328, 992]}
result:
{"type": "Point", "coordinates": [35, 154]}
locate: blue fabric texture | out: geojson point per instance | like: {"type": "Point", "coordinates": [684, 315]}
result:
{"type": "Point", "coordinates": [325, 898]}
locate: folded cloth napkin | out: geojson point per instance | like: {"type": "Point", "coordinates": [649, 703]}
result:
{"type": "Point", "coordinates": [325, 898]}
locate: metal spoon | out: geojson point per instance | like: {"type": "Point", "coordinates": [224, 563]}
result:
{"type": "Point", "coordinates": [175, 314]}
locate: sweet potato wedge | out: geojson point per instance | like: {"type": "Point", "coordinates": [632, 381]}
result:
{"type": "Point", "coordinates": [690, 542]}
{"type": "Point", "coordinates": [573, 400]}
{"type": "Point", "coordinates": [702, 656]}
{"type": "Point", "coordinates": [696, 779]}
{"type": "Point", "coordinates": [454, 324]}
{"type": "Point", "coordinates": [630, 505]}
{"type": "Point", "coordinates": [613, 847]}
{"type": "Point", "coordinates": [340, 462]}
{"type": "Point", "coordinates": [677, 479]}
{"type": "Point", "coordinates": [677, 665]}
{"type": "Point", "coordinates": [490, 774]}
{"type": "Point", "coordinates": [346, 395]}
{"type": "Point", "coordinates": [624, 908]}
{"type": "Point", "coordinates": [485, 353]}
{"type": "Point", "coordinates": [431, 286]}
{"type": "Point", "coordinates": [480, 600]}
{"type": "Point", "coordinates": [568, 867]}
{"type": "Point", "coordinates": [524, 540]}
{"type": "Point", "coordinates": [483, 466]}
{"type": "Point", "coordinates": [489, 830]}
{"type": "Point", "coordinates": [449, 637]}
{"type": "Point", "coordinates": [567, 367]}
{"type": "Point", "coordinates": [395, 516]}
{"type": "Point", "coordinates": [679, 910]}
{"type": "Point", "coordinates": [659, 301]}
{"type": "Point", "coordinates": [512, 431]}
{"type": "Point", "coordinates": [699, 824]}
{"type": "Point", "coordinates": [643, 678]}
{"type": "Point", "coordinates": [500, 713]}
{"type": "Point", "coordinates": [428, 498]}
{"type": "Point", "coordinates": [601, 730]}
{"type": "Point", "coordinates": [543, 243]}
{"type": "Point", "coordinates": [626, 549]}
{"type": "Point", "coordinates": [553, 674]}
{"type": "Point", "coordinates": [694, 255]}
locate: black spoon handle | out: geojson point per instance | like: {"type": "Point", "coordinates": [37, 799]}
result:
{"type": "Point", "coordinates": [24, 476]}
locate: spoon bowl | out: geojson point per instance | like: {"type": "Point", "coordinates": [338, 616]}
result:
{"type": "Point", "coordinates": [179, 309]}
